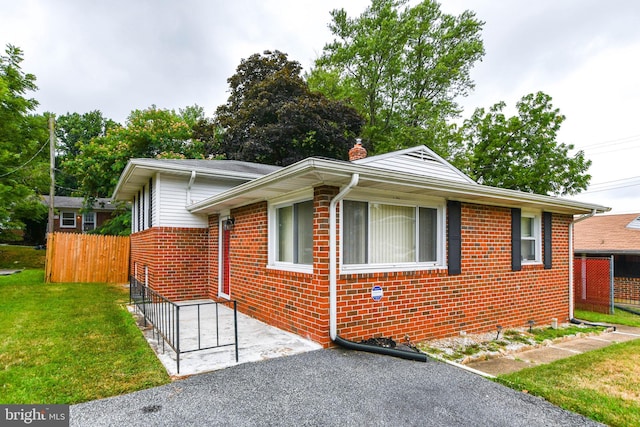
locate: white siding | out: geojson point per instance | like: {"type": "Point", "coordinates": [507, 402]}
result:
{"type": "Point", "coordinates": [204, 188]}
{"type": "Point", "coordinates": [419, 162]}
{"type": "Point", "coordinates": [171, 196]}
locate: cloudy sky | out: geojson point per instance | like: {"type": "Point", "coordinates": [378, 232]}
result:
{"type": "Point", "coordinates": [119, 55]}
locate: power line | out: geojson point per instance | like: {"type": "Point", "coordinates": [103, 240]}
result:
{"type": "Point", "coordinates": [28, 161]}
{"type": "Point", "coordinates": [598, 190]}
{"type": "Point", "coordinates": [617, 141]}
{"type": "Point", "coordinates": [616, 180]}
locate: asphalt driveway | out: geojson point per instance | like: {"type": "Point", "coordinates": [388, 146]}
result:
{"type": "Point", "coordinates": [326, 388]}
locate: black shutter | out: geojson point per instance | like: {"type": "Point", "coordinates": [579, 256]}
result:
{"type": "Point", "coordinates": [546, 220]}
{"type": "Point", "coordinates": [516, 236]}
{"type": "Point", "coordinates": [454, 237]}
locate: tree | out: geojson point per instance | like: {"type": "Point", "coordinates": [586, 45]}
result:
{"type": "Point", "coordinates": [23, 139]}
{"type": "Point", "coordinates": [149, 133]}
{"type": "Point", "coordinates": [522, 152]}
{"type": "Point", "coordinates": [72, 130]}
{"type": "Point", "coordinates": [271, 116]}
{"type": "Point", "coordinates": [403, 68]}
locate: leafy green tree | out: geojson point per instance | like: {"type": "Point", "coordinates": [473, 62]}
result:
{"type": "Point", "coordinates": [73, 129]}
{"type": "Point", "coordinates": [24, 153]}
{"type": "Point", "coordinates": [271, 116]}
{"type": "Point", "coordinates": [118, 225]}
{"type": "Point", "coordinates": [522, 152]}
{"type": "Point", "coordinates": [149, 133]}
{"type": "Point", "coordinates": [403, 68]}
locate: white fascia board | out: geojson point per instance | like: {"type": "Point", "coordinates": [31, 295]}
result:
{"type": "Point", "coordinates": [148, 168]}
{"type": "Point", "coordinates": [339, 173]}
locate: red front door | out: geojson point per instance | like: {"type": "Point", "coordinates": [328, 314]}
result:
{"type": "Point", "coordinates": [225, 288]}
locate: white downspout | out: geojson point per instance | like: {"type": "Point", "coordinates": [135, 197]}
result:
{"type": "Point", "coordinates": [571, 255]}
{"type": "Point", "coordinates": [193, 178]}
{"type": "Point", "coordinates": [333, 267]}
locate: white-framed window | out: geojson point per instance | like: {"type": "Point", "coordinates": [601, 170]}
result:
{"type": "Point", "coordinates": [291, 235]}
{"type": "Point", "coordinates": [382, 236]}
{"type": "Point", "coordinates": [530, 235]}
{"type": "Point", "coordinates": [295, 233]}
{"type": "Point", "coordinates": [67, 219]}
{"type": "Point", "coordinates": [88, 221]}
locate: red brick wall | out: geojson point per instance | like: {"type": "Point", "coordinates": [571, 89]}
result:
{"type": "Point", "coordinates": [420, 304]}
{"type": "Point", "coordinates": [431, 304]}
{"type": "Point", "coordinates": [296, 302]}
{"type": "Point", "coordinates": [177, 261]}
{"type": "Point", "coordinates": [626, 290]}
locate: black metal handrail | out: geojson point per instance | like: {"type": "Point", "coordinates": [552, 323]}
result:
{"type": "Point", "coordinates": [164, 316]}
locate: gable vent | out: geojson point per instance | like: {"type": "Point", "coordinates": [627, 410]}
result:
{"type": "Point", "coordinates": [635, 224]}
{"type": "Point", "coordinates": [422, 155]}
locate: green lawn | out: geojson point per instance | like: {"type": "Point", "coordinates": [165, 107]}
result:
{"type": "Point", "coordinates": [603, 384]}
{"type": "Point", "coordinates": [18, 257]}
{"type": "Point", "coordinates": [620, 317]}
{"type": "Point", "coordinates": [69, 343]}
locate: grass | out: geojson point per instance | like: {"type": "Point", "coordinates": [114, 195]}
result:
{"type": "Point", "coordinates": [603, 385]}
{"type": "Point", "coordinates": [620, 317]}
{"type": "Point", "coordinates": [542, 334]}
{"type": "Point", "coordinates": [69, 343]}
{"type": "Point", "coordinates": [17, 257]}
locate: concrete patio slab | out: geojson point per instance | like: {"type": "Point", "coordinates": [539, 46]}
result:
{"type": "Point", "coordinates": [256, 340]}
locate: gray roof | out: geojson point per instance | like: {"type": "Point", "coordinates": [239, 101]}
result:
{"type": "Point", "coordinates": [77, 203]}
{"type": "Point", "coordinates": [212, 165]}
{"type": "Point", "coordinates": [138, 171]}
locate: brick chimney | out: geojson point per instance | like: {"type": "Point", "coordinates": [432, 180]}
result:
{"type": "Point", "coordinates": [358, 151]}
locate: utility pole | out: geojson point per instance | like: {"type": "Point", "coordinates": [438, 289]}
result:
{"type": "Point", "coordinates": [52, 170]}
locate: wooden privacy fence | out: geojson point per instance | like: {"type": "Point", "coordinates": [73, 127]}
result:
{"type": "Point", "coordinates": [87, 258]}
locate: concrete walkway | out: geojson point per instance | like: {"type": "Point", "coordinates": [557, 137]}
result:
{"type": "Point", "coordinates": [560, 350]}
{"type": "Point", "coordinates": [256, 341]}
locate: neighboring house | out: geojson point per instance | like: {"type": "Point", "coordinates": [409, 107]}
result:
{"type": "Point", "coordinates": [400, 245]}
{"type": "Point", "coordinates": [617, 236]}
{"type": "Point", "coordinates": [71, 217]}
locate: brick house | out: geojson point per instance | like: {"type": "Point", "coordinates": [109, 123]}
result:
{"type": "Point", "coordinates": [617, 236]}
{"type": "Point", "coordinates": [71, 216]}
{"type": "Point", "coordinates": [396, 245]}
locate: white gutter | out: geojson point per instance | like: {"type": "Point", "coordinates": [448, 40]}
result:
{"type": "Point", "coordinates": [193, 178]}
{"type": "Point", "coordinates": [571, 256]}
{"type": "Point", "coordinates": [333, 267]}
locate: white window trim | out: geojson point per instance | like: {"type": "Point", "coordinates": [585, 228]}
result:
{"type": "Point", "coordinates": [95, 220]}
{"type": "Point", "coordinates": [62, 225]}
{"type": "Point", "coordinates": [221, 218]}
{"type": "Point", "coordinates": [537, 231]}
{"type": "Point", "coordinates": [439, 263]}
{"type": "Point", "coordinates": [272, 263]}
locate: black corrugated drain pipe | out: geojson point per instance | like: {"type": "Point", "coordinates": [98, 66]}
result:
{"type": "Point", "coordinates": [409, 355]}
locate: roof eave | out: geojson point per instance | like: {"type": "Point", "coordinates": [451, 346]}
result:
{"type": "Point", "coordinates": [135, 165]}
{"type": "Point", "coordinates": [342, 171]}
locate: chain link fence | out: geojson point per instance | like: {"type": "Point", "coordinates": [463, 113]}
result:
{"type": "Point", "coordinates": [593, 284]}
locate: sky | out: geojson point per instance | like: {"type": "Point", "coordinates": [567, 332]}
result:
{"type": "Point", "coordinates": [120, 55]}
